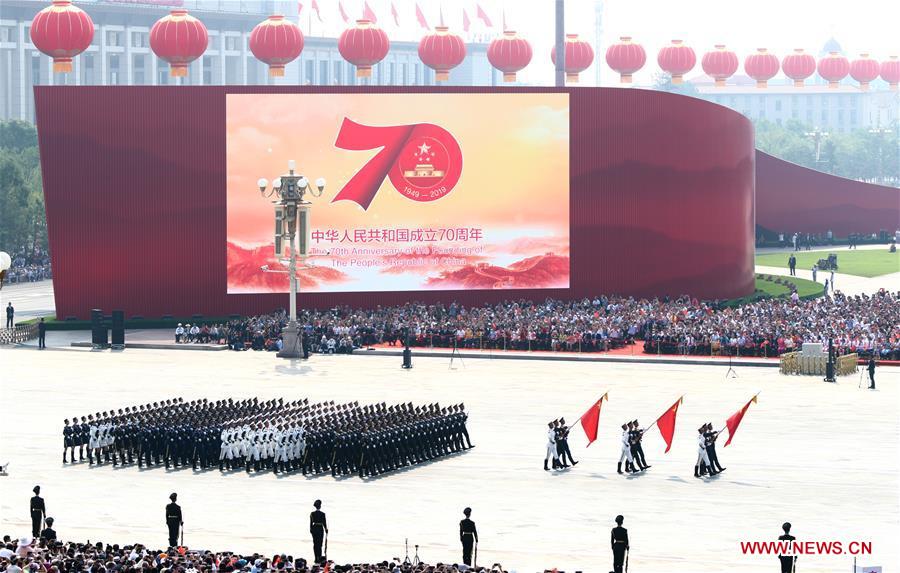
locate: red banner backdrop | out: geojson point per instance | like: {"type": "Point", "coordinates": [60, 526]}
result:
{"type": "Point", "coordinates": [134, 178]}
{"type": "Point", "coordinates": [791, 198]}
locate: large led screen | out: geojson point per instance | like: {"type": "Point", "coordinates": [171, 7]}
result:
{"type": "Point", "coordinates": [424, 191]}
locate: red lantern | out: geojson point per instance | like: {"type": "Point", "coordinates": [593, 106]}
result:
{"type": "Point", "coordinates": [798, 66]}
{"type": "Point", "coordinates": [864, 70]}
{"type": "Point", "coordinates": [62, 31]}
{"type": "Point", "coordinates": [833, 68]}
{"type": "Point", "coordinates": [761, 66]}
{"type": "Point", "coordinates": [364, 45]}
{"type": "Point", "coordinates": [442, 51]}
{"type": "Point", "coordinates": [720, 64]}
{"type": "Point", "coordinates": [890, 72]}
{"type": "Point", "coordinates": [276, 42]}
{"type": "Point", "coordinates": [626, 58]}
{"type": "Point", "coordinates": [579, 57]}
{"type": "Point", "coordinates": [509, 54]}
{"type": "Point", "coordinates": [179, 39]}
{"type": "Point", "coordinates": [676, 59]}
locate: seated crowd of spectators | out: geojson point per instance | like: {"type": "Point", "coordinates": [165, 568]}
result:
{"type": "Point", "coordinates": [29, 267]}
{"type": "Point", "coordinates": [865, 324]}
{"type": "Point", "coordinates": [29, 555]}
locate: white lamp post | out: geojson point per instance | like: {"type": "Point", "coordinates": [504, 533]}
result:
{"type": "Point", "coordinates": [289, 191]}
{"type": "Point", "coordinates": [5, 263]}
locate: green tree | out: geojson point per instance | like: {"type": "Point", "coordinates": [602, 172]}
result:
{"type": "Point", "coordinates": [22, 218]}
{"type": "Point", "coordinates": [663, 82]}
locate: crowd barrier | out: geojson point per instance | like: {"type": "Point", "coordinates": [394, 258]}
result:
{"type": "Point", "coordinates": [18, 334]}
{"type": "Point", "coordinates": [796, 363]}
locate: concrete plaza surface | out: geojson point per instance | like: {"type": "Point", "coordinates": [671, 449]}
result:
{"type": "Point", "coordinates": [822, 456]}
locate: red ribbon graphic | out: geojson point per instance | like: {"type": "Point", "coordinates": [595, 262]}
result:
{"type": "Point", "coordinates": [392, 140]}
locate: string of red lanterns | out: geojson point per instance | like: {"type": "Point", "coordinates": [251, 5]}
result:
{"type": "Point", "coordinates": [63, 31]}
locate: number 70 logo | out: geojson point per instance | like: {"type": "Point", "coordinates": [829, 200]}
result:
{"type": "Point", "coordinates": [422, 160]}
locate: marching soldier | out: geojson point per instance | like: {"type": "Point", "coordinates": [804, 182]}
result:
{"type": "Point", "coordinates": [468, 535]}
{"type": "Point", "coordinates": [626, 451]}
{"type": "Point", "coordinates": [638, 449]}
{"type": "Point", "coordinates": [174, 520]}
{"type": "Point", "coordinates": [620, 546]}
{"type": "Point", "coordinates": [551, 447]}
{"type": "Point", "coordinates": [711, 437]}
{"type": "Point", "coordinates": [38, 512]}
{"type": "Point", "coordinates": [562, 444]}
{"type": "Point", "coordinates": [318, 527]}
{"type": "Point", "coordinates": [702, 456]}
{"type": "Point", "coordinates": [68, 441]}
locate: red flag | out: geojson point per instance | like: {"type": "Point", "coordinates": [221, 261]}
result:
{"type": "Point", "coordinates": [315, 6]}
{"type": "Point", "coordinates": [395, 14]}
{"type": "Point", "coordinates": [590, 421]}
{"type": "Point", "coordinates": [735, 420]}
{"type": "Point", "coordinates": [483, 16]}
{"type": "Point", "coordinates": [666, 423]}
{"type": "Point", "coordinates": [466, 21]}
{"type": "Point", "coordinates": [420, 16]}
{"type": "Point", "coordinates": [343, 12]}
{"type": "Point", "coordinates": [299, 8]}
{"type": "Point", "coordinates": [368, 14]}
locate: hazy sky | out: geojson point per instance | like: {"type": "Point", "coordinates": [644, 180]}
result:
{"type": "Point", "coordinates": [779, 25]}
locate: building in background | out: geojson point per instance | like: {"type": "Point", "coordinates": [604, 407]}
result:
{"type": "Point", "coordinates": [120, 52]}
{"type": "Point", "coordinates": [839, 110]}
{"type": "Point", "coordinates": [816, 105]}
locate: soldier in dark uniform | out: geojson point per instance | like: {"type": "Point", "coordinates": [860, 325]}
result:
{"type": "Point", "coordinates": [638, 448]}
{"type": "Point", "coordinates": [619, 541]}
{"type": "Point", "coordinates": [84, 431]}
{"type": "Point", "coordinates": [174, 520]}
{"type": "Point", "coordinates": [562, 443]}
{"type": "Point", "coordinates": [711, 436]}
{"type": "Point", "coordinates": [468, 535]}
{"type": "Point", "coordinates": [871, 368]}
{"type": "Point", "coordinates": [787, 561]}
{"type": "Point", "coordinates": [42, 334]}
{"type": "Point", "coordinates": [407, 357]}
{"type": "Point", "coordinates": [318, 527]}
{"type": "Point", "coordinates": [68, 441]}
{"type": "Point", "coordinates": [48, 534]}
{"type": "Point", "coordinates": [38, 512]}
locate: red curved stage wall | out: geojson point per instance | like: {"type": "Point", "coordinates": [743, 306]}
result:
{"type": "Point", "coordinates": [791, 198]}
{"type": "Point", "coordinates": [661, 200]}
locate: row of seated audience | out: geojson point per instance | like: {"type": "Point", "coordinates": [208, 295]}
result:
{"type": "Point", "coordinates": [29, 267]}
{"type": "Point", "coordinates": [29, 555]}
{"type": "Point", "coordinates": [867, 324]}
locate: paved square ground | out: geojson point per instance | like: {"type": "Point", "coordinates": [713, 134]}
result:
{"type": "Point", "coordinates": [820, 455]}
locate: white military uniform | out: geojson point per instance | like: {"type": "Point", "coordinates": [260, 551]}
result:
{"type": "Point", "coordinates": [551, 446]}
{"type": "Point", "coordinates": [626, 448]}
{"type": "Point", "coordinates": [225, 448]}
{"type": "Point", "coordinates": [701, 451]}
{"type": "Point", "coordinates": [94, 439]}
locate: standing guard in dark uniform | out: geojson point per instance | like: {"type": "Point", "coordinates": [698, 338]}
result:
{"type": "Point", "coordinates": [468, 534]}
{"type": "Point", "coordinates": [407, 357]}
{"type": "Point", "coordinates": [788, 562]}
{"type": "Point", "coordinates": [871, 368]}
{"type": "Point", "coordinates": [174, 521]}
{"type": "Point", "coordinates": [619, 541]}
{"type": "Point", "coordinates": [318, 527]}
{"type": "Point", "coordinates": [38, 512]}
